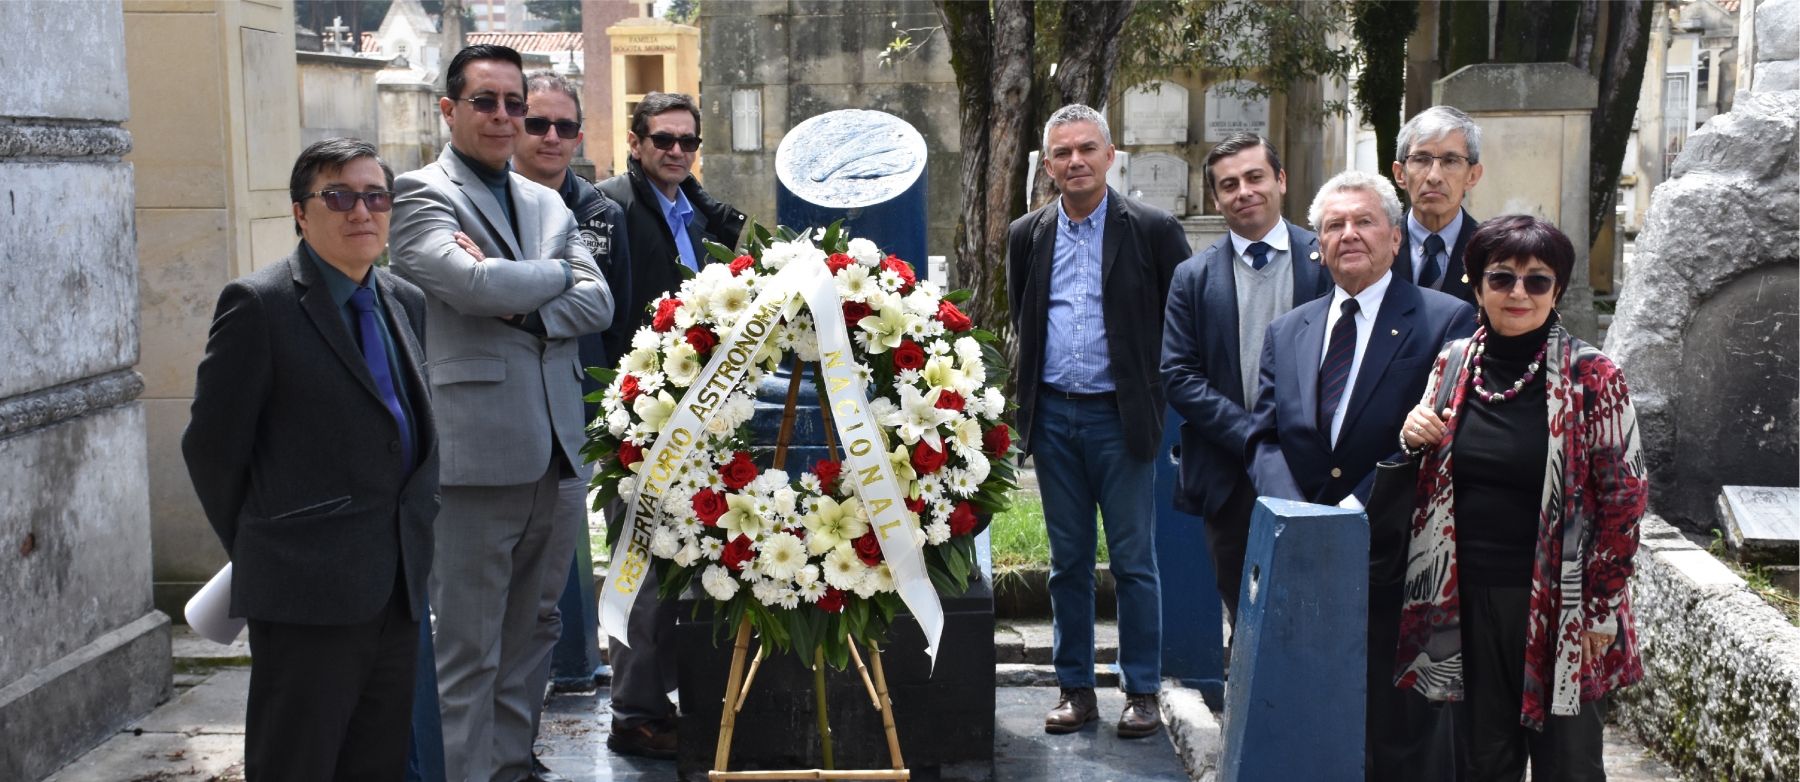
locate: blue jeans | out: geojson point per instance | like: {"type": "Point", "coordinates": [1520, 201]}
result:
{"type": "Point", "coordinates": [1082, 462]}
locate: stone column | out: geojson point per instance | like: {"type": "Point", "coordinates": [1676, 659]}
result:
{"type": "Point", "coordinates": [596, 90]}
{"type": "Point", "coordinates": [82, 650]}
{"type": "Point", "coordinates": [1534, 120]}
{"type": "Point", "coordinates": [215, 116]}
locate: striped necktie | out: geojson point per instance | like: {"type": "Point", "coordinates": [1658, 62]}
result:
{"type": "Point", "coordinates": [1334, 375]}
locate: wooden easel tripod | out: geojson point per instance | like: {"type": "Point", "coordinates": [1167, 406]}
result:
{"type": "Point", "coordinates": [737, 686]}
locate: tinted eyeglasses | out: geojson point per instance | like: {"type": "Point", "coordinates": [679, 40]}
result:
{"type": "Point", "coordinates": [345, 200]}
{"type": "Point", "coordinates": [566, 128]}
{"type": "Point", "coordinates": [488, 104]}
{"type": "Point", "coordinates": [1503, 281]}
{"type": "Point", "coordinates": [667, 141]}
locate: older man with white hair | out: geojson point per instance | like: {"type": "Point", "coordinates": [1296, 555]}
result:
{"type": "Point", "coordinates": [1437, 161]}
{"type": "Point", "coordinates": [1339, 375]}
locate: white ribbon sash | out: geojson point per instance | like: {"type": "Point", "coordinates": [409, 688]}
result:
{"type": "Point", "coordinates": [865, 457]}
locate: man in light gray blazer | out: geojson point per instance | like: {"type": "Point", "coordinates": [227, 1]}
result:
{"type": "Point", "coordinates": [509, 286]}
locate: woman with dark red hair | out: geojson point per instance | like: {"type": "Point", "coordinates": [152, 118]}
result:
{"type": "Point", "coordinates": [1517, 606]}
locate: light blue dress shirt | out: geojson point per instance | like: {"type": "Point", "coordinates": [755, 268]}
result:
{"type": "Point", "coordinates": [678, 214]}
{"type": "Point", "coordinates": [1075, 356]}
{"type": "Point", "coordinates": [1417, 232]}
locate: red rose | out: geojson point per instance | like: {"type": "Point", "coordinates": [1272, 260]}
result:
{"type": "Point", "coordinates": [927, 459]}
{"type": "Point", "coordinates": [628, 389]}
{"type": "Point", "coordinates": [738, 472]}
{"type": "Point", "coordinates": [839, 262]}
{"type": "Point", "coordinates": [868, 549]}
{"type": "Point", "coordinates": [833, 601]}
{"type": "Point", "coordinates": [963, 519]}
{"type": "Point", "coordinates": [949, 400]}
{"type": "Point", "coordinates": [901, 268]}
{"type": "Point", "coordinates": [998, 440]}
{"type": "Point", "coordinates": [709, 505]}
{"type": "Point", "coordinates": [665, 314]}
{"type": "Point", "coordinates": [916, 506]}
{"type": "Point", "coordinates": [629, 454]}
{"type": "Point", "coordinates": [740, 263]}
{"type": "Point", "coordinates": [827, 470]}
{"type": "Point", "coordinates": [953, 318]}
{"type": "Point", "coordinates": [737, 552]}
{"type": "Point", "coordinates": [908, 356]}
{"type": "Point", "coordinates": [702, 339]}
{"type": "Point", "coordinates": [855, 311]}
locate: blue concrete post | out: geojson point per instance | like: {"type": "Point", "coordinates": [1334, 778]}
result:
{"type": "Point", "coordinates": [866, 168]}
{"type": "Point", "coordinates": [1294, 705]}
{"type": "Point", "coordinates": [1192, 614]}
{"type": "Point", "coordinates": [425, 758]}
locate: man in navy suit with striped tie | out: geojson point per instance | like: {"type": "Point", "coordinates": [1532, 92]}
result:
{"type": "Point", "coordinates": [1339, 374]}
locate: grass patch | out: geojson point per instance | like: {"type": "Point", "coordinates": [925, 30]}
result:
{"type": "Point", "coordinates": [1758, 581]}
{"type": "Point", "coordinates": [1019, 538]}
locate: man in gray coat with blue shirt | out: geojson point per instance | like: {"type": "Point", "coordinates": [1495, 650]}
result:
{"type": "Point", "coordinates": [1220, 303]}
{"type": "Point", "coordinates": [509, 286]}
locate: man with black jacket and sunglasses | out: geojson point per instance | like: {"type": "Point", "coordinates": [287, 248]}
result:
{"type": "Point", "coordinates": [668, 216]}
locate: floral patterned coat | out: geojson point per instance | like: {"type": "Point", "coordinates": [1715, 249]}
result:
{"type": "Point", "coordinates": [1595, 492]}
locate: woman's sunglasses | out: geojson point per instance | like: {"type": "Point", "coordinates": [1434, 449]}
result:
{"type": "Point", "coordinates": [666, 142]}
{"type": "Point", "coordinates": [1535, 284]}
{"type": "Point", "coordinates": [565, 128]}
{"type": "Point", "coordinates": [345, 200]}
{"type": "Point", "coordinates": [488, 104]}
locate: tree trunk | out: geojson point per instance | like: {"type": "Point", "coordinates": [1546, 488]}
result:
{"type": "Point", "coordinates": [1585, 29]}
{"type": "Point", "coordinates": [1088, 59]}
{"type": "Point", "coordinates": [970, 31]}
{"type": "Point", "coordinates": [1382, 30]}
{"type": "Point", "coordinates": [1466, 39]}
{"type": "Point", "coordinates": [1004, 197]}
{"type": "Point", "coordinates": [1621, 78]}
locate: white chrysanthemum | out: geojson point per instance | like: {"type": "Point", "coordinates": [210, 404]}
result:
{"type": "Point", "coordinates": [729, 303]}
{"type": "Point", "coordinates": [788, 598]}
{"type": "Point", "coordinates": [942, 508]}
{"type": "Point", "coordinates": [966, 435]}
{"type": "Point", "coordinates": [862, 374]}
{"type": "Point", "coordinates": [642, 360]}
{"type": "Point", "coordinates": [617, 422]}
{"type": "Point", "coordinates": [654, 411]}
{"type": "Point", "coordinates": [682, 365]}
{"type": "Point", "coordinates": [937, 532]}
{"type": "Point", "coordinates": [687, 526]}
{"type": "Point", "coordinates": [968, 350]}
{"type": "Point", "coordinates": [769, 481]}
{"type": "Point", "coordinates": [719, 583]}
{"type": "Point", "coordinates": [907, 377]}
{"type": "Point", "coordinates": [674, 502]}
{"type": "Point", "coordinates": [921, 303]}
{"type": "Point", "coordinates": [864, 251]}
{"type": "Point", "coordinates": [931, 488]}
{"type": "Point", "coordinates": [960, 484]}
{"type": "Point", "coordinates": [883, 578]}
{"type": "Point", "coordinates": [810, 483]}
{"type": "Point", "coordinates": [812, 592]}
{"type": "Point", "coordinates": [779, 254]}
{"type": "Point", "coordinates": [843, 569]}
{"type": "Point", "coordinates": [782, 556]}
{"type": "Point", "coordinates": [738, 409]}
{"type": "Point", "coordinates": [645, 337]}
{"type": "Point", "coordinates": [640, 434]}
{"type": "Point", "coordinates": [687, 555]}
{"type": "Point", "coordinates": [974, 374]}
{"type": "Point", "coordinates": [712, 548]}
{"type": "Point", "coordinates": [884, 411]}
{"type": "Point", "coordinates": [978, 469]}
{"type": "Point", "coordinates": [855, 283]}
{"type": "Point", "coordinates": [664, 543]}
{"type": "Point", "coordinates": [890, 280]}
{"type": "Point", "coordinates": [937, 347]}
{"type": "Point", "coordinates": [994, 401]}
{"type": "Point", "coordinates": [650, 382]}
{"type": "Point", "coordinates": [766, 592]}
{"type": "Point", "coordinates": [715, 274]}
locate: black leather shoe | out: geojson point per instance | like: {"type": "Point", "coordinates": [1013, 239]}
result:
{"type": "Point", "coordinates": [650, 740]}
{"type": "Point", "coordinates": [1076, 708]}
{"type": "Point", "coordinates": [1142, 717]}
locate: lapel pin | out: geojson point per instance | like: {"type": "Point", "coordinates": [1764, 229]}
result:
{"type": "Point", "coordinates": [1395, 332]}
{"type": "Point", "coordinates": [1315, 256]}
{"type": "Point", "coordinates": [1465, 279]}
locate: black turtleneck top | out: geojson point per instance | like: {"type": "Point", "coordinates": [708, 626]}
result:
{"type": "Point", "coordinates": [499, 183]}
{"type": "Point", "coordinates": [1497, 466]}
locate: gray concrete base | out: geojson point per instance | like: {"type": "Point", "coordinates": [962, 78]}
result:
{"type": "Point", "coordinates": [62, 709]}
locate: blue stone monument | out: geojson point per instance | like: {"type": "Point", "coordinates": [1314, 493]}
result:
{"type": "Point", "coordinates": [866, 168]}
{"type": "Point", "coordinates": [1193, 635]}
{"type": "Point", "coordinates": [1294, 705]}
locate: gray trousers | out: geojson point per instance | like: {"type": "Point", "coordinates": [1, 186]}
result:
{"type": "Point", "coordinates": [644, 673]}
{"type": "Point", "coordinates": [499, 550]}
{"type": "Point", "coordinates": [572, 500]}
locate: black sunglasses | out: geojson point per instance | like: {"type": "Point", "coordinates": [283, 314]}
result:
{"type": "Point", "coordinates": [1503, 282]}
{"type": "Point", "coordinates": [488, 104]}
{"type": "Point", "coordinates": [345, 200]}
{"type": "Point", "coordinates": [566, 128]}
{"type": "Point", "coordinates": [666, 142]}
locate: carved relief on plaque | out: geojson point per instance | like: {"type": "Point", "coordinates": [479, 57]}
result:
{"type": "Point", "coordinates": [1161, 180]}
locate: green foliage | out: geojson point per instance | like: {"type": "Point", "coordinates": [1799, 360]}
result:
{"type": "Point", "coordinates": [564, 15]}
{"type": "Point", "coordinates": [1018, 537]}
{"type": "Point", "coordinates": [1274, 44]}
{"type": "Point", "coordinates": [1381, 30]}
{"type": "Point", "coordinates": [683, 11]}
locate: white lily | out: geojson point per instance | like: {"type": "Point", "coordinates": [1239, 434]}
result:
{"type": "Point", "coordinates": [832, 524]}
{"type": "Point", "coordinates": [885, 329]}
{"type": "Point", "coordinates": [654, 411]}
{"type": "Point", "coordinates": [920, 417]}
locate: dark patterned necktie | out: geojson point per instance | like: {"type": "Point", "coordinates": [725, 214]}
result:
{"type": "Point", "coordinates": [1334, 375]}
{"type": "Point", "coordinates": [375, 355]}
{"type": "Point", "coordinates": [1259, 255]}
{"type": "Point", "coordinates": [1428, 276]}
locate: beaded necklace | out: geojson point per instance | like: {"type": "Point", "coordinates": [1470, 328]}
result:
{"type": "Point", "coordinates": [1496, 397]}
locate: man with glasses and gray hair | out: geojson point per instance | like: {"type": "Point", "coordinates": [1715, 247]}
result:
{"type": "Point", "coordinates": [1437, 161]}
{"type": "Point", "coordinates": [1087, 276]}
{"type": "Point", "coordinates": [509, 287]}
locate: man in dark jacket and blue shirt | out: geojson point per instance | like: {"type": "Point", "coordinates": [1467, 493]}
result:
{"type": "Point", "coordinates": [668, 216]}
{"type": "Point", "coordinates": [1220, 304]}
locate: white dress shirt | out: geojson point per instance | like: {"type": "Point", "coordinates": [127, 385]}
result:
{"type": "Point", "coordinates": [1277, 239]}
{"type": "Point", "coordinates": [1369, 305]}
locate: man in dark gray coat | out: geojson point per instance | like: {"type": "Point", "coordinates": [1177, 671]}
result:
{"type": "Point", "coordinates": [313, 452]}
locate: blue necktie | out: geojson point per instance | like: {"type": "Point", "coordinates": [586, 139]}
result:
{"type": "Point", "coordinates": [375, 355]}
{"type": "Point", "coordinates": [1428, 276]}
{"type": "Point", "coordinates": [1259, 255]}
{"type": "Point", "coordinates": [1334, 375]}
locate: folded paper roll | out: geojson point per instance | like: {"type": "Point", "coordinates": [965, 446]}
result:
{"type": "Point", "coordinates": [209, 610]}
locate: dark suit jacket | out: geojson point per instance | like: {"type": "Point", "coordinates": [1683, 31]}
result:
{"type": "Point", "coordinates": [655, 262]}
{"type": "Point", "coordinates": [1202, 371]}
{"type": "Point", "coordinates": [1456, 279]}
{"type": "Point", "coordinates": [1143, 246]}
{"type": "Point", "coordinates": [602, 224]}
{"type": "Point", "coordinates": [297, 461]}
{"type": "Point", "coordinates": [1290, 455]}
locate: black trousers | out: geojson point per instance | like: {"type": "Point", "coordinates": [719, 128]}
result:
{"type": "Point", "coordinates": [1409, 738]}
{"type": "Point", "coordinates": [331, 702]}
{"type": "Point", "coordinates": [1227, 535]}
{"type": "Point", "coordinates": [1492, 745]}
